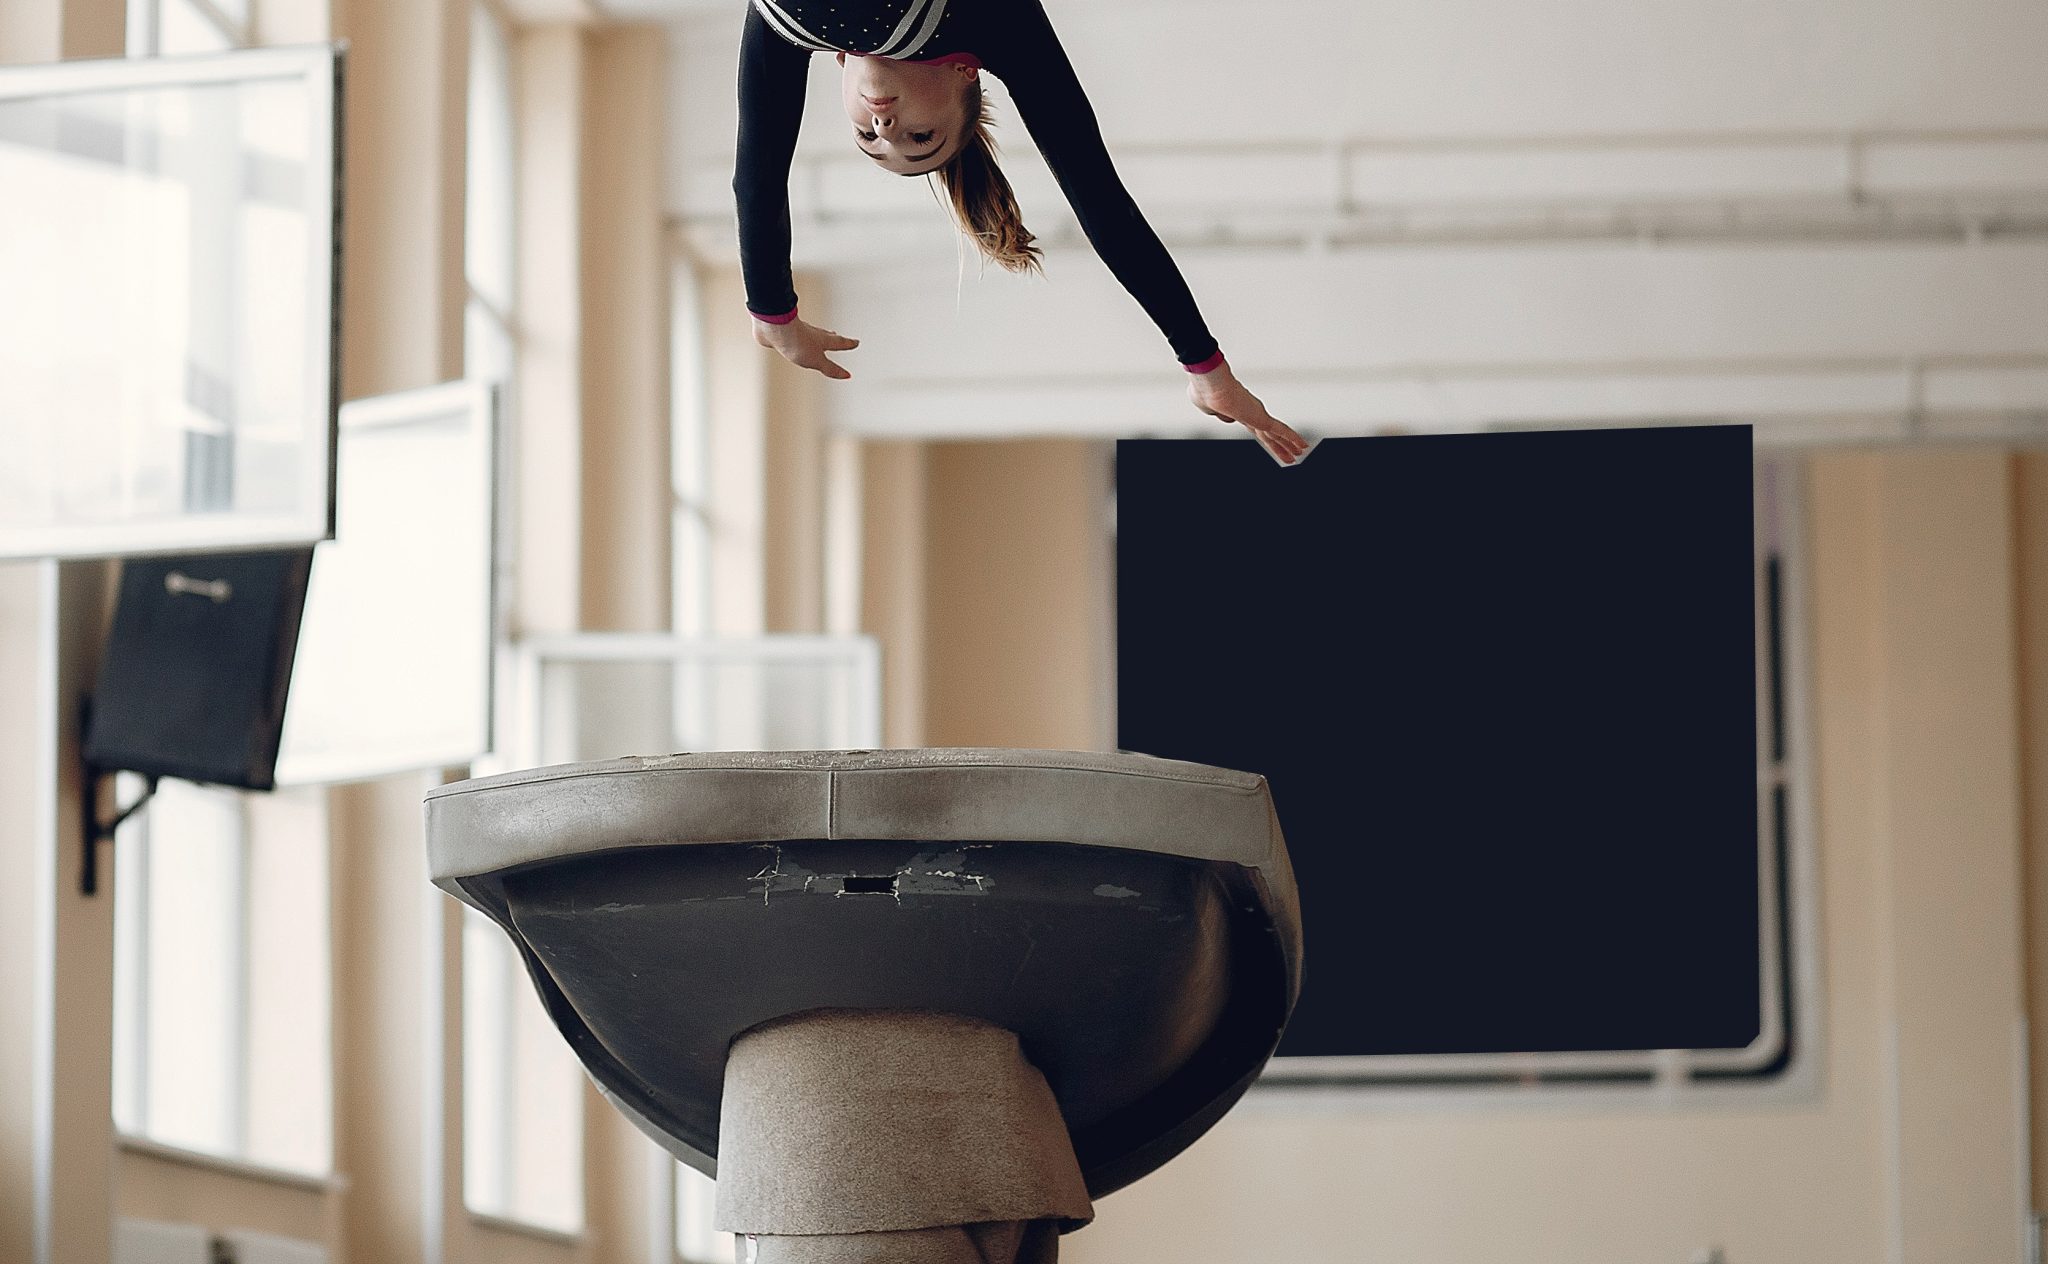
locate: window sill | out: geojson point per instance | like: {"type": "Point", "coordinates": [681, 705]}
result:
{"type": "Point", "coordinates": [525, 1229]}
{"type": "Point", "coordinates": [310, 1181]}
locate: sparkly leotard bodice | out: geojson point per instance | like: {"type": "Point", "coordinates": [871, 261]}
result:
{"type": "Point", "coordinates": [903, 29]}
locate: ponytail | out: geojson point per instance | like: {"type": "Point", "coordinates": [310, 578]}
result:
{"type": "Point", "coordinates": [984, 205]}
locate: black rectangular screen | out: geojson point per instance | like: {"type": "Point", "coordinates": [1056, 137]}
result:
{"type": "Point", "coordinates": [1504, 689]}
{"type": "Point", "coordinates": [197, 664]}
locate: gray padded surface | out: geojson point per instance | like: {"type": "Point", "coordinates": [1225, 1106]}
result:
{"type": "Point", "coordinates": [962, 794]}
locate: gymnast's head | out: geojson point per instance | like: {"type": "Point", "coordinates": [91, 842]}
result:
{"type": "Point", "coordinates": [929, 118]}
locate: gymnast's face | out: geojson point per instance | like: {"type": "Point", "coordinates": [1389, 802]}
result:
{"type": "Point", "coordinates": [907, 118]}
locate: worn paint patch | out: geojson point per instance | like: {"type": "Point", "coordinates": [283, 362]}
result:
{"type": "Point", "coordinates": [782, 876]}
{"type": "Point", "coordinates": [943, 872]}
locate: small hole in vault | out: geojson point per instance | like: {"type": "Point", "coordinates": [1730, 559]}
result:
{"type": "Point", "coordinates": [869, 886]}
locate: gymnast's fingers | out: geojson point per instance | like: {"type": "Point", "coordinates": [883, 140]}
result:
{"type": "Point", "coordinates": [839, 342]}
{"type": "Point", "coordinates": [1286, 446]}
{"type": "Point", "coordinates": [829, 369]}
{"type": "Point", "coordinates": [1285, 436]}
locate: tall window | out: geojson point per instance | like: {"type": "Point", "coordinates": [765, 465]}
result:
{"type": "Point", "coordinates": [522, 1088]}
{"type": "Point", "coordinates": [522, 1093]}
{"type": "Point", "coordinates": [222, 973]}
{"type": "Point", "coordinates": [488, 251]}
{"type": "Point", "coordinates": [221, 976]}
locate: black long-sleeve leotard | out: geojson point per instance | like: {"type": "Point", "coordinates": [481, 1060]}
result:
{"type": "Point", "coordinates": [1013, 40]}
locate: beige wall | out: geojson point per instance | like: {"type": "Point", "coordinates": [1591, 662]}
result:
{"type": "Point", "coordinates": [893, 603]}
{"type": "Point", "coordinates": [768, 468]}
{"type": "Point", "coordinates": [625, 281]}
{"type": "Point", "coordinates": [1016, 587]}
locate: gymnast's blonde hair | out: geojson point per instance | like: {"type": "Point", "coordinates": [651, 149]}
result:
{"type": "Point", "coordinates": [983, 203]}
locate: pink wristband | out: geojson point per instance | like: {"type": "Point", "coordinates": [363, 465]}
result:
{"type": "Point", "coordinates": [783, 319]}
{"type": "Point", "coordinates": [1203, 366]}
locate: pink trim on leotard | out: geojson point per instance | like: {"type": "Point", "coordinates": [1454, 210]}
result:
{"type": "Point", "coordinates": [783, 319]}
{"type": "Point", "coordinates": [1204, 366]}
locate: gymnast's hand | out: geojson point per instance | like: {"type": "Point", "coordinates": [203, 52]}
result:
{"type": "Point", "coordinates": [804, 344]}
{"type": "Point", "coordinates": [1219, 394]}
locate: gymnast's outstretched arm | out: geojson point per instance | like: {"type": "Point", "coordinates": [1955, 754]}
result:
{"type": "Point", "coordinates": [771, 87]}
{"type": "Point", "coordinates": [1031, 62]}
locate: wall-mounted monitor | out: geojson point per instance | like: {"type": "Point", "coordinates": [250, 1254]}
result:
{"type": "Point", "coordinates": [168, 241]}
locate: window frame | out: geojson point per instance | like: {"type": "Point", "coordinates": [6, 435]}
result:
{"type": "Point", "coordinates": [134, 912]}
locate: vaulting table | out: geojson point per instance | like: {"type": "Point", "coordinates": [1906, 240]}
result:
{"type": "Point", "coordinates": [1132, 920]}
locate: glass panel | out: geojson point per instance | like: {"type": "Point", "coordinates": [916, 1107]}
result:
{"type": "Point", "coordinates": [191, 1000]}
{"type": "Point", "coordinates": [547, 1167]}
{"type": "Point", "coordinates": [131, 965]}
{"type": "Point", "coordinates": [696, 1200]}
{"type": "Point", "coordinates": [487, 1097]}
{"type": "Point", "coordinates": [290, 1081]}
{"type": "Point", "coordinates": [522, 1093]}
{"type": "Point", "coordinates": [488, 260]}
{"type": "Point", "coordinates": [185, 29]}
{"type": "Point", "coordinates": [725, 699]}
{"type": "Point", "coordinates": [166, 253]}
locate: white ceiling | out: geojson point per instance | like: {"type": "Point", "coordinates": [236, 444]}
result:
{"type": "Point", "coordinates": [1429, 183]}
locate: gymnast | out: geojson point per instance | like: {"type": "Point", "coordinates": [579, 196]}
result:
{"type": "Point", "coordinates": [912, 89]}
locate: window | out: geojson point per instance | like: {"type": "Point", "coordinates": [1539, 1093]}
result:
{"type": "Point", "coordinates": [522, 1088]}
{"type": "Point", "coordinates": [170, 27]}
{"type": "Point", "coordinates": [522, 1093]}
{"type": "Point", "coordinates": [696, 1241]}
{"type": "Point", "coordinates": [488, 252]}
{"type": "Point", "coordinates": [222, 976]}
{"type": "Point", "coordinates": [223, 961]}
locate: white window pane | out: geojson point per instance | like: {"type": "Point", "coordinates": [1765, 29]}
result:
{"type": "Point", "coordinates": [186, 30]}
{"type": "Point", "coordinates": [131, 966]}
{"type": "Point", "coordinates": [522, 1093]}
{"type": "Point", "coordinates": [486, 1065]}
{"type": "Point", "coordinates": [290, 1079]}
{"type": "Point", "coordinates": [222, 975]}
{"type": "Point", "coordinates": [696, 1199]}
{"type": "Point", "coordinates": [547, 1169]}
{"type": "Point", "coordinates": [194, 862]}
{"type": "Point", "coordinates": [489, 250]}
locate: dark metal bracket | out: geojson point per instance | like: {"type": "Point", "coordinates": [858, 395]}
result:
{"type": "Point", "coordinates": [97, 831]}
{"type": "Point", "coordinates": [92, 829]}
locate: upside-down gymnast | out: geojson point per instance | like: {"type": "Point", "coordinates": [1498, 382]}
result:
{"type": "Point", "coordinates": [911, 85]}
